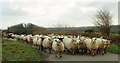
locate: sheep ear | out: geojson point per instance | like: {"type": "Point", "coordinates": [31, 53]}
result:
{"type": "Point", "coordinates": [95, 38]}
{"type": "Point", "coordinates": [56, 40]}
{"type": "Point", "coordinates": [48, 39]}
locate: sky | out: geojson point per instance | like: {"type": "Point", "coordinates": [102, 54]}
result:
{"type": "Point", "coordinates": [47, 13]}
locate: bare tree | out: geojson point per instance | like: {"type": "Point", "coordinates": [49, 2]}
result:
{"type": "Point", "coordinates": [103, 21]}
{"type": "Point", "coordinates": [60, 27]}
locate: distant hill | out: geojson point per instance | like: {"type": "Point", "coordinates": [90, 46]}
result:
{"type": "Point", "coordinates": [22, 29]}
{"type": "Point", "coordinates": [114, 28]}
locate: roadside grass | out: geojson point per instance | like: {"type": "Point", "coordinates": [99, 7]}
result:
{"type": "Point", "coordinates": [113, 48]}
{"type": "Point", "coordinates": [4, 36]}
{"type": "Point", "coordinates": [0, 52]}
{"type": "Point", "coordinates": [19, 51]}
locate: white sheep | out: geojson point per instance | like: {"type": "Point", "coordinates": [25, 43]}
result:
{"type": "Point", "coordinates": [70, 44]}
{"type": "Point", "coordinates": [58, 47]}
{"type": "Point", "coordinates": [17, 37]}
{"type": "Point", "coordinates": [82, 45]}
{"type": "Point", "coordinates": [39, 44]}
{"type": "Point", "coordinates": [25, 38]}
{"type": "Point", "coordinates": [30, 39]}
{"type": "Point", "coordinates": [47, 44]}
{"type": "Point", "coordinates": [91, 45]}
{"type": "Point", "coordinates": [35, 39]}
{"type": "Point", "coordinates": [102, 45]}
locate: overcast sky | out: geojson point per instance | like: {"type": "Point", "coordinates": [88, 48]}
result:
{"type": "Point", "coordinates": [48, 12]}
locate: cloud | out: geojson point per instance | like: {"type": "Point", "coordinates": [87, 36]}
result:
{"type": "Point", "coordinates": [47, 12]}
{"type": "Point", "coordinates": [86, 9]}
{"type": "Point", "coordinates": [8, 11]}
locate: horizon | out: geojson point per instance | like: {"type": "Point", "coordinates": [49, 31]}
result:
{"type": "Point", "coordinates": [54, 27]}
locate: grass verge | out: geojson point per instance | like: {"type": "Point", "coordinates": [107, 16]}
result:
{"type": "Point", "coordinates": [19, 51]}
{"type": "Point", "coordinates": [113, 48]}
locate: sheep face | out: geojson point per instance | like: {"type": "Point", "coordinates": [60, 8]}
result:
{"type": "Point", "coordinates": [50, 40]}
{"type": "Point", "coordinates": [107, 43]}
{"type": "Point", "coordinates": [94, 40]}
{"type": "Point", "coordinates": [76, 42]}
{"type": "Point", "coordinates": [58, 42]}
{"type": "Point", "coordinates": [81, 41]}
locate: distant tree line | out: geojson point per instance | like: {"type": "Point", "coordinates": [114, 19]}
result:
{"type": "Point", "coordinates": [25, 29]}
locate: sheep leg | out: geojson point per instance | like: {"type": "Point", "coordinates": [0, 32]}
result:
{"type": "Point", "coordinates": [59, 54]}
{"type": "Point", "coordinates": [49, 51]}
{"type": "Point", "coordinates": [98, 50]}
{"type": "Point", "coordinates": [68, 51]}
{"type": "Point", "coordinates": [41, 48]}
{"type": "Point", "coordinates": [86, 50]}
{"type": "Point", "coordinates": [79, 50]}
{"type": "Point", "coordinates": [36, 46]}
{"type": "Point", "coordinates": [55, 54]}
{"type": "Point", "coordinates": [89, 51]}
{"type": "Point", "coordinates": [105, 51]}
{"type": "Point", "coordinates": [92, 52]}
{"type": "Point", "coordinates": [73, 52]}
{"type": "Point", "coordinates": [44, 49]}
{"type": "Point", "coordinates": [102, 51]}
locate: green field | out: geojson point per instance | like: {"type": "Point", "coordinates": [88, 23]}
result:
{"type": "Point", "coordinates": [19, 51]}
{"type": "Point", "coordinates": [113, 48]}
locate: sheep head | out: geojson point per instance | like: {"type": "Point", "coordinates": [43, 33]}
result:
{"type": "Point", "coordinates": [58, 42]}
{"type": "Point", "coordinates": [50, 40]}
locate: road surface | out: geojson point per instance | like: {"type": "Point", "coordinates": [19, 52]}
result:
{"type": "Point", "coordinates": [85, 57]}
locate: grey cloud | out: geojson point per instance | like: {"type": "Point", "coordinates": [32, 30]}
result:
{"type": "Point", "coordinates": [7, 11]}
{"type": "Point", "coordinates": [75, 16]}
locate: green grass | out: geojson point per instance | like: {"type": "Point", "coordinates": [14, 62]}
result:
{"type": "Point", "coordinates": [19, 51]}
{"type": "Point", "coordinates": [4, 36]}
{"type": "Point", "coordinates": [0, 52]}
{"type": "Point", "coordinates": [113, 48]}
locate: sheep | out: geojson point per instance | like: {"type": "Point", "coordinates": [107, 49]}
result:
{"type": "Point", "coordinates": [25, 38]}
{"type": "Point", "coordinates": [30, 39]}
{"type": "Point", "coordinates": [58, 47]}
{"type": "Point", "coordinates": [70, 44]}
{"type": "Point", "coordinates": [9, 35]}
{"type": "Point", "coordinates": [91, 45]}
{"type": "Point", "coordinates": [47, 44]}
{"type": "Point", "coordinates": [21, 37]}
{"type": "Point", "coordinates": [82, 45]}
{"type": "Point", "coordinates": [107, 44]}
{"type": "Point", "coordinates": [13, 35]}
{"type": "Point", "coordinates": [39, 44]}
{"type": "Point", "coordinates": [102, 45]}
{"type": "Point", "coordinates": [35, 39]}
{"type": "Point", "coordinates": [17, 37]}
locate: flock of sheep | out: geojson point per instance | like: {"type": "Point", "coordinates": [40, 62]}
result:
{"type": "Point", "coordinates": [64, 43]}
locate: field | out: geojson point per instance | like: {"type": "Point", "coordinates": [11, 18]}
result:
{"type": "Point", "coordinates": [19, 51]}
